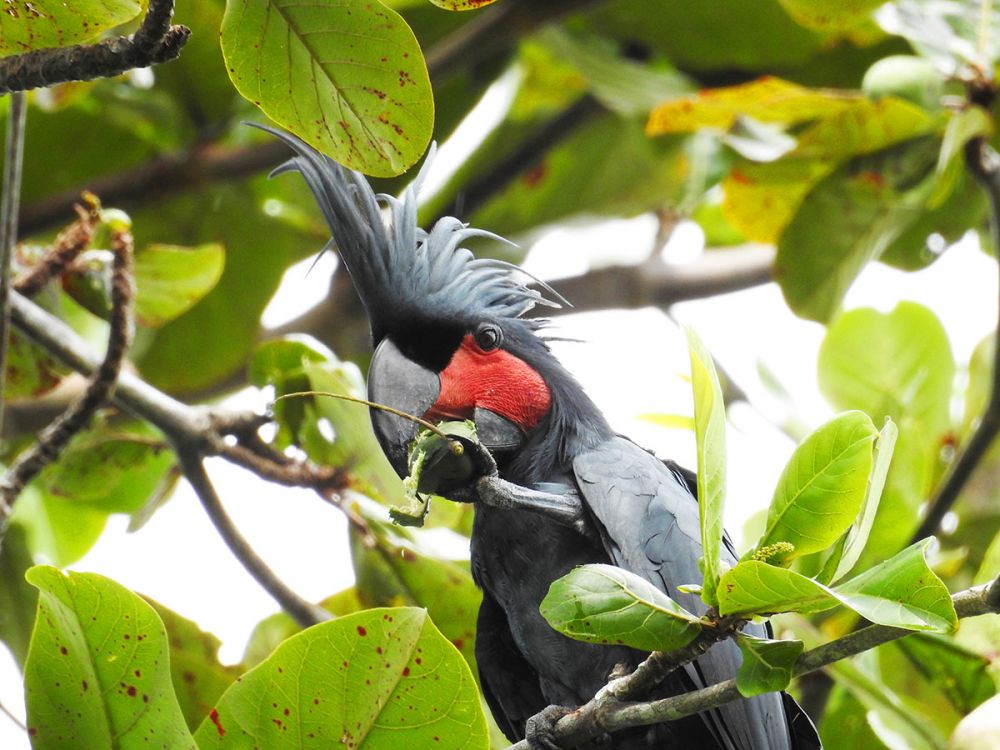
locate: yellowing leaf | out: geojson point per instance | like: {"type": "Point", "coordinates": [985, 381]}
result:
{"type": "Point", "coordinates": [767, 99]}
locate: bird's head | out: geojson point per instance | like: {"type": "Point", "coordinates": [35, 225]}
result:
{"type": "Point", "coordinates": [450, 341]}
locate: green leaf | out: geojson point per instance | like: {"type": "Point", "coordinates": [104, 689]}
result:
{"type": "Point", "coordinates": [114, 473]}
{"type": "Point", "coordinates": [767, 665]}
{"type": "Point", "coordinates": [864, 127]}
{"type": "Point", "coordinates": [398, 570]}
{"type": "Point", "coordinates": [197, 675]}
{"type": "Point", "coordinates": [902, 592]}
{"type": "Point", "coordinates": [865, 205]}
{"type": "Point", "coordinates": [59, 531]}
{"type": "Point", "coordinates": [962, 675]}
{"type": "Point", "coordinates": [826, 16]}
{"type": "Point", "coordinates": [606, 604]}
{"type": "Point", "coordinates": [710, 441]}
{"type": "Point", "coordinates": [378, 678]}
{"type": "Point", "coordinates": [17, 598]}
{"type": "Point", "coordinates": [754, 587]}
{"type": "Point", "coordinates": [822, 487]}
{"type": "Point", "coordinates": [462, 4]}
{"type": "Point", "coordinates": [861, 529]}
{"type": "Point", "coordinates": [980, 381]}
{"type": "Point", "coordinates": [30, 372]}
{"type": "Point", "coordinates": [767, 99]}
{"type": "Point", "coordinates": [897, 364]}
{"type": "Point", "coordinates": [349, 77]}
{"type": "Point", "coordinates": [97, 673]}
{"type": "Point", "coordinates": [39, 24]}
{"type": "Point", "coordinates": [170, 280]}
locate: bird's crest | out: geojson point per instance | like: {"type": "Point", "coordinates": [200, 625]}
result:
{"type": "Point", "coordinates": [401, 271]}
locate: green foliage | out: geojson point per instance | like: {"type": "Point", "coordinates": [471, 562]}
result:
{"type": "Point", "coordinates": [833, 462]}
{"type": "Point", "coordinates": [606, 604]}
{"type": "Point", "coordinates": [170, 280]}
{"type": "Point", "coordinates": [710, 439]}
{"type": "Point", "coordinates": [767, 665]}
{"type": "Point", "coordinates": [348, 78]}
{"type": "Point", "coordinates": [97, 673]}
{"type": "Point", "coordinates": [27, 26]}
{"type": "Point", "coordinates": [17, 598]}
{"type": "Point", "coordinates": [384, 677]}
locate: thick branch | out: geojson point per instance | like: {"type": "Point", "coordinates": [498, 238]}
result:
{"type": "Point", "coordinates": [984, 163]}
{"type": "Point", "coordinates": [605, 714]}
{"type": "Point", "coordinates": [156, 41]}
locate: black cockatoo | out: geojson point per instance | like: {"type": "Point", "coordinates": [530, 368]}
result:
{"type": "Point", "coordinates": [451, 343]}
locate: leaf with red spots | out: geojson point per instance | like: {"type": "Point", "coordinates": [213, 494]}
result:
{"type": "Point", "coordinates": [26, 26]}
{"type": "Point", "coordinates": [348, 77]}
{"type": "Point", "coordinates": [400, 685]}
{"type": "Point", "coordinates": [97, 673]}
{"type": "Point", "coordinates": [30, 371]}
{"type": "Point", "coordinates": [462, 4]}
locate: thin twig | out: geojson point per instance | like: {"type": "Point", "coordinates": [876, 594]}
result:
{"type": "Point", "coordinates": [984, 163]}
{"type": "Point", "coordinates": [57, 435]}
{"type": "Point", "coordinates": [605, 714]}
{"type": "Point", "coordinates": [9, 208]}
{"type": "Point", "coordinates": [6, 712]}
{"type": "Point", "coordinates": [156, 41]}
{"type": "Point", "coordinates": [303, 612]}
{"type": "Point", "coordinates": [67, 246]}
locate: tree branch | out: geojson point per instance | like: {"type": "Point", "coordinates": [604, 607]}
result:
{"type": "Point", "coordinates": [606, 714]}
{"type": "Point", "coordinates": [9, 201]}
{"type": "Point", "coordinates": [57, 435]}
{"type": "Point", "coordinates": [156, 41]}
{"type": "Point", "coordinates": [984, 163]}
{"type": "Point", "coordinates": [303, 612]}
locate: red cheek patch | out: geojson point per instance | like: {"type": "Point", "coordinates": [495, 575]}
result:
{"type": "Point", "coordinates": [495, 380]}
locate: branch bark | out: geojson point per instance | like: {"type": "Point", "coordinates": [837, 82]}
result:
{"type": "Point", "coordinates": [984, 163]}
{"type": "Point", "coordinates": [156, 41]}
{"type": "Point", "coordinates": [607, 714]}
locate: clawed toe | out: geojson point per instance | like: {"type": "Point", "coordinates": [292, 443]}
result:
{"type": "Point", "coordinates": [539, 732]}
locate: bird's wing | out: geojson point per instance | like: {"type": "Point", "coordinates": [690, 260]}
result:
{"type": "Point", "coordinates": [648, 520]}
{"type": "Point", "coordinates": [510, 685]}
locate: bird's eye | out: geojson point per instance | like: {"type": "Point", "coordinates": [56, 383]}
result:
{"type": "Point", "coordinates": [488, 336]}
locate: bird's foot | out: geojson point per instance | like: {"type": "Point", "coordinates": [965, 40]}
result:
{"type": "Point", "coordinates": [539, 732]}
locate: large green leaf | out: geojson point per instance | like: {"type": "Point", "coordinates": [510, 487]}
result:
{"type": "Point", "coordinates": [902, 591]}
{"type": "Point", "coordinates": [347, 77]}
{"type": "Point", "coordinates": [169, 280]}
{"type": "Point", "coordinates": [379, 678]}
{"type": "Point", "coordinates": [59, 531]}
{"type": "Point", "coordinates": [30, 371]}
{"type": "Point", "coordinates": [605, 604]}
{"type": "Point", "coordinates": [962, 675]}
{"type": "Point", "coordinates": [39, 24]}
{"type": "Point", "coordinates": [97, 673]}
{"type": "Point", "coordinates": [753, 587]}
{"type": "Point", "coordinates": [710, 441]}
{"type": "Point", "coordinates": [395, 570]}
{"type": "Point", "coordinates": [767, 665]}
{"type": "Point", "coordinates": [17, 598]}
{"type": "Point", "coordinates": [861, 529]}
{"type": "Point", "coordinates": [896, 364]}
{"type": "Point", "coordinates": [822, 487]}
{"type": "Point", "coordinates": [864, 205]}
{"type": "Point", "coordinates": [199, 678]}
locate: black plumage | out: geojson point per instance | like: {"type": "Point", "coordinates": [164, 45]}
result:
{"type": "Point", "coordinates": [424, 293]}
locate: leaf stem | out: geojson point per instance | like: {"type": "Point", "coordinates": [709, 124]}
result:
{"type": "Point", "coordinates": [374, 405]}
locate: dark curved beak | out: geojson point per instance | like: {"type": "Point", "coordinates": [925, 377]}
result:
{"type": "Point", "coordinates": [397, 381]}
